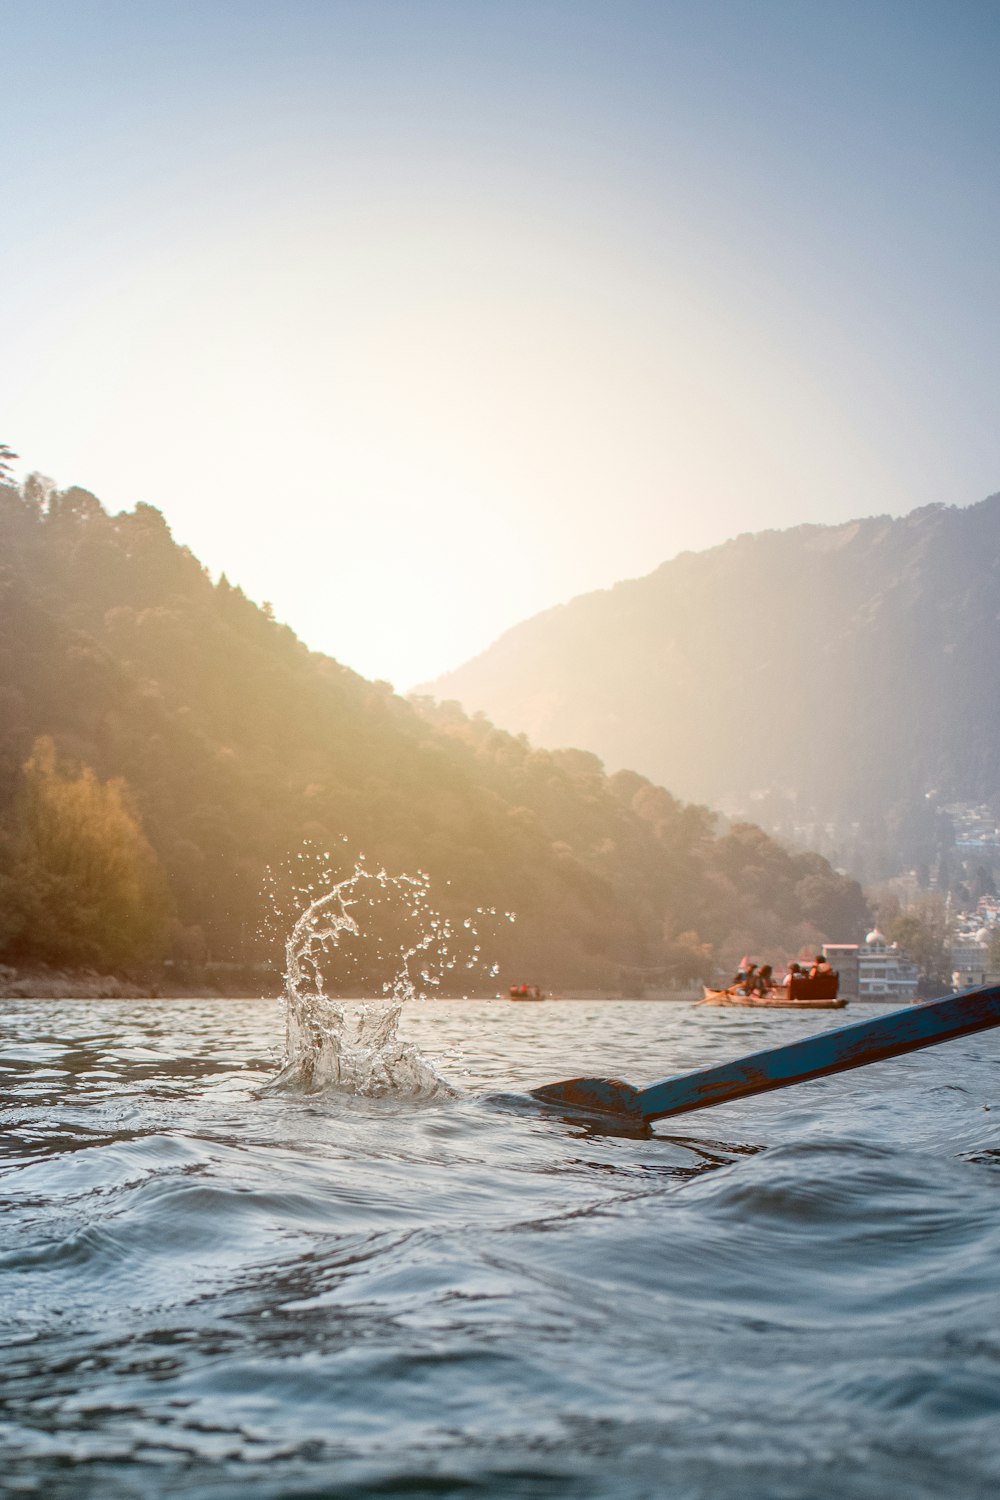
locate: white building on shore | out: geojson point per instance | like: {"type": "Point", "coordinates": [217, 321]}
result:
{"type": "Point", "coordinates": [875, 969]}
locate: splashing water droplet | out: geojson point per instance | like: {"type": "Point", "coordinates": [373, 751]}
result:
{"type": "Point", "coordinates": [354, 1047]}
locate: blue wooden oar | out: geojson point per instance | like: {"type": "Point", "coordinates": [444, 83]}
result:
{"type": "Point", "coordinates": [815, 1056]}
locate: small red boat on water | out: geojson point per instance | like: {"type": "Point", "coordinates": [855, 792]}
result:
{"type": "Point", "coordinates": [525, 992]}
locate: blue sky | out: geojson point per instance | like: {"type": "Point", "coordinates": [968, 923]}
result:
{"type": "Point", "coordinates": [419, 317]}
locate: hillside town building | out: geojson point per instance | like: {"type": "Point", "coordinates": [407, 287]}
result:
{"type": "Point", "coordinates": [875, 969]}
{"type": "Point", "coordinates": [972, 936]}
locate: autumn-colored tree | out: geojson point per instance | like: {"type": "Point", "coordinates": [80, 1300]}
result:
{"type": "Point", "coordinates": [83, 886]}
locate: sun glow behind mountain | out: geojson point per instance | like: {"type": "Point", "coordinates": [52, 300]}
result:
{"type": "Point", "coordinates": [418, 319]}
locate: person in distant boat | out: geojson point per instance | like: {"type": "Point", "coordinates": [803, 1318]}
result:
{"type": "Point", "coordinates": [794, 972]}
{"type": "Point", "coordinates": [745, 979]}
{"type": "Point", "coordinates": [763, 983]}
{"type": "Point", "coordinates": [820, 967]}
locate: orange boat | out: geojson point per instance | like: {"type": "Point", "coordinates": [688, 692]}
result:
{"type": "Point", "coordinates": [525, 992]}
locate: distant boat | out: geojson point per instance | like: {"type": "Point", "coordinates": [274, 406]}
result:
{"type": "Point", "coordinates": [525, 992]}
{"type": "Point", "coordinates": [821, 993]}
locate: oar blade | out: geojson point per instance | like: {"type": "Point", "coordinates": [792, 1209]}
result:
{"type": "Point", "coordinates": [593, 1096]}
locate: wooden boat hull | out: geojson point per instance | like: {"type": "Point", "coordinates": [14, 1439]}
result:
{"type": "Point", "coordinates": [778, 1000]}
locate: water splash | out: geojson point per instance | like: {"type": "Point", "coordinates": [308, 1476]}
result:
{"type": "Point", "coordinates": [369, 930]}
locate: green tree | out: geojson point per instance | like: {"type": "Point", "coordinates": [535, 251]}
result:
{"type": "Point", "coordinates": [84, 887]}
{"type": "Point", "coordinates": [923, 935]}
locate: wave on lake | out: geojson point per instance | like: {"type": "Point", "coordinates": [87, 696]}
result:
{"type": "Point", "coordinates": [215, 1288]}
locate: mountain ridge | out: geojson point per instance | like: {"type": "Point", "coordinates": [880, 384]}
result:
{"type": "Point", "coordinates": [708, 673]}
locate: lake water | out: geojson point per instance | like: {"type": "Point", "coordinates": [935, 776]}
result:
{"type": "Point", "coordinates": [212, 1289]}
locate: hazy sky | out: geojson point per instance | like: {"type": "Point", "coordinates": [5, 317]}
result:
{"type": "Point", "coordinates": [418, 316]}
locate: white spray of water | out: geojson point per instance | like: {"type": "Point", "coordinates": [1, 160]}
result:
{"type": "Point", "coordinates": [354, 1047]}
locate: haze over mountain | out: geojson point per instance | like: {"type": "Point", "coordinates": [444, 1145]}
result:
{"type": "Point", "coordinates": [163, 741]}
{"type": "Point", "coordinates": [837, 682]}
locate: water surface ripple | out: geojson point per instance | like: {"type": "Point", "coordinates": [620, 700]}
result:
{"type": "Point", "coordinates": [214, 1289]}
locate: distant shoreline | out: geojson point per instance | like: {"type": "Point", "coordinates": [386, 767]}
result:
{"type": "Point", "coordinates": [86, 984]}
{"type": "Point", "coordinates": [59, 985]}
{"type": "Point", "coordinates": [43, 983]}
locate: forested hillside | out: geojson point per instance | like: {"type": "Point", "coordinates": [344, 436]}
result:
{"type": "Point", "coordinates": [163, 740]}
{"type": "Point", "coordinates": [840, 683]}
